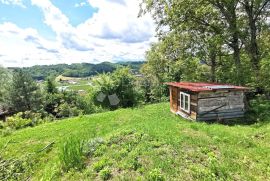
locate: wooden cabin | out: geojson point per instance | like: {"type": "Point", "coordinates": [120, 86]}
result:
{"type": "Point", "coordinates": [207, 101]}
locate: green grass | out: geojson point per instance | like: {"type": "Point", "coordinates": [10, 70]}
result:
{"type": "Point", "coordinates": [145, 143]}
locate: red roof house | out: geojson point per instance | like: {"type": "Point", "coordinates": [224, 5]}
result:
{"type": "Point", "coordinates": [207, 101]}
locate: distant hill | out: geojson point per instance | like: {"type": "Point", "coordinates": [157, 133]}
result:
{"type": "Point", "coordinates": [40, 72]}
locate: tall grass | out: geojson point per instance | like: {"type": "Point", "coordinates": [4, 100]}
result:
{"type": "Point", "coordinates": [71, 154]}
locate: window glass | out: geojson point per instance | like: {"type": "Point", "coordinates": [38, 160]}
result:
{"type": "Point", "coordinates": [186, 102]}
{"type": "Point", "coordinates": [182, 101]}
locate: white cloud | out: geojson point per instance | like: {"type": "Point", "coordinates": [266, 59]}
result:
{"type": "Point", "coordinates": [13, 2]}
{"type": "Point", "coordinates": [77, 5]}
{"type": "Point", "coordinates": [113, 33]}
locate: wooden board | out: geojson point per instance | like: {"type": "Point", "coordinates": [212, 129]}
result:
{"type": "Point", "coordinates": [203, 95]}
{"type": "Point", "coordinates": [220, 105]}
{"type": "Point", "coordinates": [228, 103]}
{"type": "Point", "coordinates": [174, 98]}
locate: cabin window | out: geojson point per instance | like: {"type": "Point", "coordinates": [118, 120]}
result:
{"type": "Point", "coordinates": [185, 102]}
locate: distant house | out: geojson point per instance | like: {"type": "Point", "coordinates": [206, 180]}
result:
{"type": "Point", "coordinates": [207, 101]}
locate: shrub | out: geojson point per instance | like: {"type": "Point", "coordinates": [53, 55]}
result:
{"type": "Point", "coordinates": [71, 154]}
{"type": "Point", "coordinates": [17, 121]}
{"type": "Point", "coordinates": [15, 169]}
{"type": "Point", "coordinates": [105, 174]}
{"type": "Point", "coordinates": [259, 111]}
{"type": "Point", "coordinates": [6, 132]}
{"type": "Point", "coordinates": [67, 110]}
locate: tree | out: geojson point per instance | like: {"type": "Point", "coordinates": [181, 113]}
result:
{"type": "Point", "coordinates": [220, 31]}
{"type": "Point", "coordinates": [5, 81]}
{"type": "Point", "coordinates": [120, 85]}
{"type": "Point", "coordinates": [51, 86]}
{"type": "Point", "coordinates": [256, 12]}
{"type": "Point", "coordinates": [25, 94]}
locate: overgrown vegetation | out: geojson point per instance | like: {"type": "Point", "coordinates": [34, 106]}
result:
{"type": "Point", "coordinates": [147, 143]}
{"type": "Point", "coordinates": [217, 41]}
{"type": "Point", "coordinates": [71, 154]}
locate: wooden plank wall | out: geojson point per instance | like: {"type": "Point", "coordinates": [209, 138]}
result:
{"type": "Point", "coordinates": [230, 104]}
{"type": "Point", "coordinates": [174, 99]}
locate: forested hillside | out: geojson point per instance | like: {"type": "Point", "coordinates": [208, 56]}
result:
{"type": "Point", "coordinates": [41, 72]}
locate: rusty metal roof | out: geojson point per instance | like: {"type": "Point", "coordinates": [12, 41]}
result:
{"type": "Point", "coordinates": [202, 86]}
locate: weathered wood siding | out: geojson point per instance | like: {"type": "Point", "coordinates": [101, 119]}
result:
{"type": "Point", "coordinates": [220, 105]}
{"type": "Point", "coordinates": [174, 99]}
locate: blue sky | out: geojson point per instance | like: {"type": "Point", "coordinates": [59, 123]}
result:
{"type": "Point", "coordinates": [61, 31]}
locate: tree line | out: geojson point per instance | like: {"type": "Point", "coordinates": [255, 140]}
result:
{"type": "Point", "coordinates": [30, 103]}
{"type": "Point", "coordinates": [41, 72]}
{"type": "Point", "coordinates": [210, 40]}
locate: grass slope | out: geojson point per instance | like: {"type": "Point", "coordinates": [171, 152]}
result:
{"type": "Point", "coordinates": [147, 143]}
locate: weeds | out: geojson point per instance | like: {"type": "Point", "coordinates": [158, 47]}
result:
{"type": "Point", "coordinates": [155, 175]}
{"type": "Point", "coordinates": [105, 174]}
{"type": "Point", "coordinates": [71, 154]}
{"type": "Point", "coordinates": [15, 169]}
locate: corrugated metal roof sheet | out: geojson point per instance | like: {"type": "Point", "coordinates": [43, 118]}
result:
{"type": "Point", "coordinates": [201, 86]}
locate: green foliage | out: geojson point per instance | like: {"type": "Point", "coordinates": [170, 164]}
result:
{"type": "Point", "coordinates": [51, 86]}
{"type": "Point", "coordinates": [68, 104]}
{"type": "Point", "coordinates": [41, 72]}
{"type": "Point", "coordinates": [17, 121]}
{"type": "Point", "coordinates": [208, 41]}
{"type": "Point", "coordinates": [25, 119]}
{"type": "Point", "coordinates": [98, 166]}
{"type": "Point", "coordinates": [259, 110]}
{"type": "Point", "coordinates": [15, 169]}
{"type": "Point", "coordinates": [105, 174]}
{"type": "Point", "coordinates": [155, 175]}
{"type": "Point", "coordinates": [5, 82]}
{"type": "Point", "coordinates": [121, 83]}
{"type": "Point", "coordinates": [25, 94]}
{"type": "Point", "coordinates": [71, 154]}
{"type": "Point", "coordinates": [92, 145]}
{"type": "Point", "coordinates": [65, 110]}
{"type": "Point", "coordinates": [6, 131]}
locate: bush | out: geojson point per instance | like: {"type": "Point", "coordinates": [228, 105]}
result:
{"type": "Point", "coordinates": [17, 121]}
{"type": "Point", "coordinates": [71, 154]}
{"type": "Point", "coordinates": [6, 132]}
{"type": "Point", "coordinates": [66, 110]}
{"type": "Point", "coordinates": [259, 110]}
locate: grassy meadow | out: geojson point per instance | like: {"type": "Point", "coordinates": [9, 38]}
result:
{"type": "Point", "coordinates": [145, 143]}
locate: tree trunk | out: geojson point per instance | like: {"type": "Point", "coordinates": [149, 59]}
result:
{"type": "Point", "coordinates": [253, 45]}
{"type": "Point", "coordinates": [236, 49]}
{"type": "Point", "coordinates": [213, 65]}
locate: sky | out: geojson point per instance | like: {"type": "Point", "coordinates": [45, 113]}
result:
{"type": "Point", "coordinates": [44, 32]}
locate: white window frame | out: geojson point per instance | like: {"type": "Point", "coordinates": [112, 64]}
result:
{"type": "Point", "coordinates": [184, 101]}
